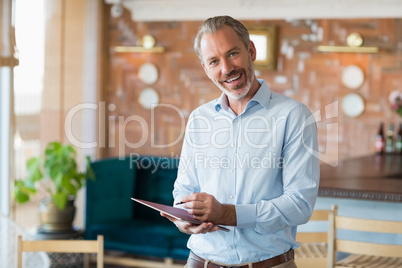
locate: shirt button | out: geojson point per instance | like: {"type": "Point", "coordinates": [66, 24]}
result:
{"type": "Point", "coordinates": [236, 120]}
{"type": "Point", "coordinates": [231, 196]}
{"type": "Point", "coordinates": [230, 248]}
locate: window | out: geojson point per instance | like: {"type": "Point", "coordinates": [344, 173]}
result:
{"type": "Point", "coordinates": [28, 88]}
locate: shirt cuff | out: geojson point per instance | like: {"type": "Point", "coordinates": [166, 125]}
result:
{"type": "Point", "coordinates": [246, 215]}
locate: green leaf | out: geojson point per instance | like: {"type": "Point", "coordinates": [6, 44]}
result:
{"type": "Point", "coordinates": [33, 167]}
{"type": "Point", "coordinates": [60, 200]}
{"type": "Point", "coordinates": [58, 182]}
{"type": "Point", "coordinates": [69, 151]}
{"type": "Point", "coordinates": [29, 186]}
{"type": "Point", "coordinates": [21, 197]}
{"type": "Point", "coordinates": [22, 190]}
{"type": "Point", "coordinates": [78, 180]}
{"type": "Point", "coordinates": [69, 186]}
{"type": "Point", "coordinates": [33, 162]}
{"type": "Point", "coordinates": [52, 148]}
{"type": "Point", "coordinates": [55, 172]}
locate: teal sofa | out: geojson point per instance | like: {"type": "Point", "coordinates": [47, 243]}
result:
{"type": "Point", "coordinates": [126, 225]}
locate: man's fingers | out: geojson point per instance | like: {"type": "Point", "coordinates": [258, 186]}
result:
{"type": "Point", "coordinates": [190, 228]}
{"type": "Point", "coordinates": [203, 228]}
{"type": "Point", "coordinates": [195, 197]}
{"type": "Point", "coordinates": [168, 217]}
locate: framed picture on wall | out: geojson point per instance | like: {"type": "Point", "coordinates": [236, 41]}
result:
{"type": "Point", "coordinates": [265, 40]}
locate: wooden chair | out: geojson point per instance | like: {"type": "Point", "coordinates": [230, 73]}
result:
{"type": "Point", "coordinates": [363, 254]}
{"type": "Point", "coordinates": [62, 246]}
{"type": "Point", "coordinates": [313, 250]}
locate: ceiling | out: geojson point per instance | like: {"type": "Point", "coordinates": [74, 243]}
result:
{"type": "Point", "coordinates": [180, 10]}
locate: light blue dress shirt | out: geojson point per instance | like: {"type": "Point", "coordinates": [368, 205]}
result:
{"type": "Point", "coordinates": [259, 161]}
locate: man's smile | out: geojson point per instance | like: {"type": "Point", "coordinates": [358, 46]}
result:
{"type": "Point", "coordinates": [233, 79]}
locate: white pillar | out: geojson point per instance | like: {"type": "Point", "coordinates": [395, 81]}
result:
{"type": "Point", "coordinates": [7, 122]}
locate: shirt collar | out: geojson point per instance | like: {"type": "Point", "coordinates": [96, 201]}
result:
{"type": "Point", "coordinates": [262, 96]}
{"type": "Point", "coordinates": [222, 103]}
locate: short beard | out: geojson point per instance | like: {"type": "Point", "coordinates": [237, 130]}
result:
{"type": "Point", "coordinates": [249, 83]}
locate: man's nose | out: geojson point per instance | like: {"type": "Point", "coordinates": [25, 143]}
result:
{"type": "Point", "coordinates": [227, 67]}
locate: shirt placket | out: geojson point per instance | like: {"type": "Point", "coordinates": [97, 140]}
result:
{"type": "Point", "coordinates": [232, 186]}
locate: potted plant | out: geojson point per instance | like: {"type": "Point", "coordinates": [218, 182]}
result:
{"type": "Point", "coordinates": [56, 172]}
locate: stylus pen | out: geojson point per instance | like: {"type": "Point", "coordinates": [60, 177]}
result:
{"type": "Point", "coordinates": [182, 202]}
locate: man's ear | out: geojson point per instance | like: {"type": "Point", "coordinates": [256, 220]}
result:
{"type": "Point", "coordinates": [252, 50]}
{"type": "Point", "coordinates": [205, 70]}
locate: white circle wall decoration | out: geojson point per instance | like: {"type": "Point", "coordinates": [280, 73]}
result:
{"type": "Point", "coordinates": [148, 98]}
{"type": "Point", "coordinates": [354, 40]}
{"type": "Point", "coordinates": [352, 77]}
{"type": "Point", "coordinates": [352, 105]}
{"type": "Point", "coordinates": [148, 41]}
{"type": "Point", "coordinates": [148, 73]}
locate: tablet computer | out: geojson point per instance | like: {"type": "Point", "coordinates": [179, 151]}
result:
{"type": "Point", "coordinates": [177, 213]}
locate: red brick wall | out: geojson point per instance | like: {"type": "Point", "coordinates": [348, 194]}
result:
{"type": "Point", "coordinates": [309, 76]}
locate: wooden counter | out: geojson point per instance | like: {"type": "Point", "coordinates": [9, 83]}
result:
{"type": "Point", "coordinates": [374, 177]}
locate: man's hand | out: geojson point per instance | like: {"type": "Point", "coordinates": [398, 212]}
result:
{"type": "Point", "coordinates": [206, 208]}
{"type": "Point", "coordinates": [190, 228]}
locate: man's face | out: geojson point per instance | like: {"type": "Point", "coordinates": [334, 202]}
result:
{"type": "Point", "coordinates": [227, 62]}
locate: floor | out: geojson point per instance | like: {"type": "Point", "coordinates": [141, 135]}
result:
{"type": "Point", "coordinates": [108, 266]}
{"type": "Point", "coordinates": [120, 254]}
{"type": "Point", "coordinates": [93, 265]}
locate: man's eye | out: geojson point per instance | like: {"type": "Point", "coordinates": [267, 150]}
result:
{"type": "Point", "coordinates": [213, 62]}
{"type": "Point", "coordinates": [233, 54]}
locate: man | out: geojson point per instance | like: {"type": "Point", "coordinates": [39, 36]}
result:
{"type": "Point", "coordinates": [245, 162]}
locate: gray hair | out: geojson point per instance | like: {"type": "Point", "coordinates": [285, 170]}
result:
{"type": "Point", "coordinates": [212, 25]}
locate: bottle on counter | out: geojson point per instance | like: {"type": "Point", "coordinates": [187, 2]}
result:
{"type": "Point", "coordinates": [398, 140]}
{"type": "Point", "coordinates": [379, 140]}
{"type": "Point", "coordinates": [389, 142]}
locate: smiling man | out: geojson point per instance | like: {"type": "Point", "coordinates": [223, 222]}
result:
{"type": "Point", "coordinates": [228, 62]}
{"type": "Point", "coordinates": [248, 161]}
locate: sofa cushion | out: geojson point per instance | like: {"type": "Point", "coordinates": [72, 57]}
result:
{"type": "Point", "coordinates": [108, 196]}
{"type": "Point", "coordinates": [179, 247]}
{"type": "Point", "coordinates": [126, 225]}
{"type": "Point", "coordinates": [155, 180]}
{"type": "Point", "coordinates": [140, 237]}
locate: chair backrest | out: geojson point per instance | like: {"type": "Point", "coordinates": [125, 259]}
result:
{"type": "Point", "coordinates": [356, 247]}
{"type": "Point", "coordinates": [313, 249]}
{"type": "Point", "coordinates": [62, 246]}
{"type": "Point", "coordinates": [315, 237]}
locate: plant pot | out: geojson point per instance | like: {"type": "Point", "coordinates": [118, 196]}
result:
{"type": "Point", "coordinates": [54, 220]}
